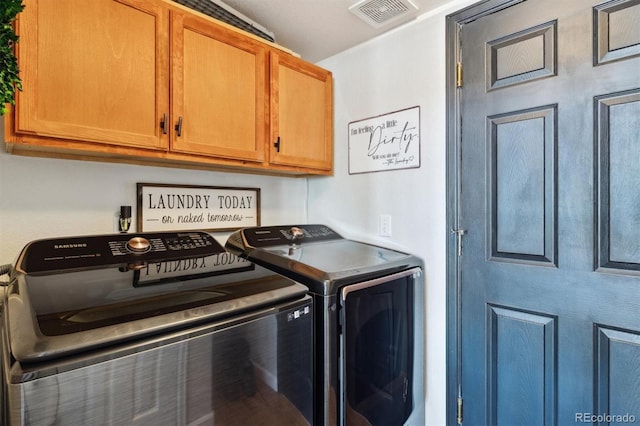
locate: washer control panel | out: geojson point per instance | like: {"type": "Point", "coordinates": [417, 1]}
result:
{"type": "Point", "coordinates": [63, 254]}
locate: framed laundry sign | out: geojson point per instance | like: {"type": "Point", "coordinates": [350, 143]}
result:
{"type": "Point", "coordinates": [163, 207]}
{"type": "Point", "coordinates": [385, 142]}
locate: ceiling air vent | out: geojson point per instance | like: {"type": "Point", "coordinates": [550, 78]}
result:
{"type": "Point", "coordinates": [379, 13]}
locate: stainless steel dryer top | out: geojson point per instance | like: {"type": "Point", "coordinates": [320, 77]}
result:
{"type": "Point", "coordinates": [316, 255]}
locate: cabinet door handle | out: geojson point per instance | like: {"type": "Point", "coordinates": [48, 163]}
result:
{"type": "Point", "coordinates": [179, 127]}
{"type": "Point", "coordinates": [276, 144]}
{"type": "Point", "coordinates": [164, 124]}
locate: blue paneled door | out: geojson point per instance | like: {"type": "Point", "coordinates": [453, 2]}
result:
{"type": "Point", "coordinates": [549, 172]}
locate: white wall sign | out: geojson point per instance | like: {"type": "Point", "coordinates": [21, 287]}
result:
{"type": "Point", "coordinates": [386, 142]}
{"type": "Point", "coordinates": [188, 207]}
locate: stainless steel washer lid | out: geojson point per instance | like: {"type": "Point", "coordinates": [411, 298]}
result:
{"type": "Point", "coordinates": [52, 313]}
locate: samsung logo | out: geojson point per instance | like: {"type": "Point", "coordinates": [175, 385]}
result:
{"type": "Point", "coordinates": [69, 246]}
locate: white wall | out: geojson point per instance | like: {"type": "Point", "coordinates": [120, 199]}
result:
{"type": "Point", "coordinates": [404, 68]}
{"type": "Point", "coordinates": [42, 197]}
{"type": "Point", "coordinates": [401, 69]}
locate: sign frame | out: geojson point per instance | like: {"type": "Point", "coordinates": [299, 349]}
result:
{"type": "Point", "coordinates": [385, 142]}
{"type": "Point", "coordinates": [168, 207]}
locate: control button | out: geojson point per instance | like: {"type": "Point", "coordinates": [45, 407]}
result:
{"type": "Point", "coordinates": [138, 245]}
{"type": "Point", "coordinates": [296, 232]}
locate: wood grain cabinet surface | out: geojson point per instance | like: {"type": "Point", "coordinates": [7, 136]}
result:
{"type": "Point", "coordinates": [151, 82]}
{"type": "Point", "coordinates": [301, 115]}
{"type": "Point", "coordinates": [93, 71]}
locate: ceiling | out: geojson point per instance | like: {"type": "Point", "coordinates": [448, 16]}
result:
{"type": "Point", "coordinates": [317, 29]}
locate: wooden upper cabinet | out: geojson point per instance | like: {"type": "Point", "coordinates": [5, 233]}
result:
{"type": "Point", "coordinates": [151, 81]}
{"type": "Point", "coordinates": [301, 113]}
{"type": "Point", "coordinates": [94, 71]}
{"type": "Point", "coordinates": [219, 92]}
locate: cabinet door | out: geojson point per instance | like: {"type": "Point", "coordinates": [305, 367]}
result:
{"type": "Point", "coordinates": [301, 113]}
{"type": "Point", "coordinates": [219, 91]}
{"type": "Point", "coordinates": [94, 71]}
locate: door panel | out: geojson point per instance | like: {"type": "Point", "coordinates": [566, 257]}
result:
{"type": "Point", "coordinates": [527, 55]}
{"type": "Point", "coordinates": [302, 131]}
{"type": "Point", "coordinates": [549, 278]}
{"type": "Point", "coordinates": [522, 368]}
{"type": "Point", "coordinates": [248, 369]}
{"type": "Point", "coordinates": [378, 352]}
{"type": "Point", "coordinates": [618, 366]}
{"type": "Point", "coordinates": [219, 91]}
{"type": "Point", "coordinates": [618, 145]}
{"type": "Point", "coordinates": [521, 151]}
{"type": "Point", "coordinates": [108, 81]}
{"type": "Point", "coordinates": [617, 31]}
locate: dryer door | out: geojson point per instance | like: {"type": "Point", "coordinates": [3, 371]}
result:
{"type": "Point", "coordinates": [377, 350]}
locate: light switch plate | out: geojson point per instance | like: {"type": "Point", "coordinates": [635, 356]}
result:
{"type": "Point", "coordinates": [385, 225]}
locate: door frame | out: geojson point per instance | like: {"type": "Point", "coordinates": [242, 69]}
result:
{"type": "Point", "coordinates": [453, 55]}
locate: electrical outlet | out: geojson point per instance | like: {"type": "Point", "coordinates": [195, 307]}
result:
{"type": "Point", "coordinates": [385, 225]}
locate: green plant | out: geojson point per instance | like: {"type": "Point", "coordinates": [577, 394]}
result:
{"type": "Point", "coordinates": [9, 72]}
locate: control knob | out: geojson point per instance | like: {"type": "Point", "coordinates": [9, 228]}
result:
{"type": "Point", "coordinates": [138, 245]}
{"type": "Point", "coordinates": [296, 232]}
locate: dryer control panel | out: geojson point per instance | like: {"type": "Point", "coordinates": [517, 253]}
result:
{"type": "Point", "coordinates": [270, 236]}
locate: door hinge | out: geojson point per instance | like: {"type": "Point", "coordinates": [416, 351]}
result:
{"type": "Point", "coordinates": [459, 416]}
{"type": "Point", "coordinates": [459, 233]}
{"type": "Point", "coordinates": [459, 74]}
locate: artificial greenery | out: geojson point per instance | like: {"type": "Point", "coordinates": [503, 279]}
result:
{"type": "Point", "coordinates": [9, 72]}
